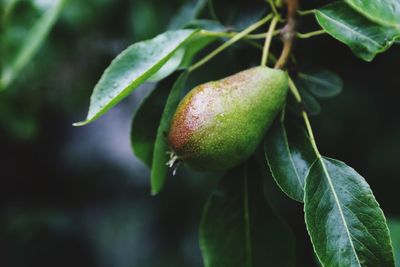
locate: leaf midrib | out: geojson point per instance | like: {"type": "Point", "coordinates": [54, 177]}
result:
{"type": "Point", "coordinates": [320, 158]}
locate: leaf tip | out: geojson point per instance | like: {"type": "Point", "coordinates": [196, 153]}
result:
{"type": "Point", "coordinates": [81, 123]}
{"type": "Point", "coordinates": [154, 192]}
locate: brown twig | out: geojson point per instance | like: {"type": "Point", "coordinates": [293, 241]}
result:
{"type": "Point", "coordinates": [288, 33]}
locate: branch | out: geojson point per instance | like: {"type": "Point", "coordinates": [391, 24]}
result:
{"type": "Point", "coordinates": [288, 33]}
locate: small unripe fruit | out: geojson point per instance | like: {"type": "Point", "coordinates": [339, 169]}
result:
{"type": "Point", "coordinates": [220, 123]}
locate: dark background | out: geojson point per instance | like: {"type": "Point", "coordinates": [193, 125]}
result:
{"type": "Point", "coordinates": [79, 197]}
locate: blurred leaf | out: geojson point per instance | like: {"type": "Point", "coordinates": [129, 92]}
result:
{"type": "Point", "coordinates": [309, 101]}
{"type": "Point", "coordinates": [365, 38]}
{"type": "Point", "coordinates": [385, 12]}
{"type": "Point", "coordinates": [394, 227]}
{"type": "Point", "coordinates": [131, 68]}
{"type": "Point", "coordinates": [322, 84]}
{"type": "Point", "coordinates": [345, 223]}
{"type": "Point", "coordinates": [249, 15]}
{"type": "Point", "coordinates": [205, 24]}
{"type": "Point", "coordinates": [238, 228]}
{"type": "Point", "coordinates": [147, 119]}
{"type": "Point", "coordinates": [290, 155]}
{"type": "Point", "coordinates": [188, 12]}
{"type": "Point", "coordinates": [238, 15]}
{"type": "Point", "coordinates": [21, 123]}
{"type": "Point", "coordinates": [6, 6]}
{"type": "Point", "coordinates": [30, 45]}
{"type": "Point", "coordinates": [159, 168]}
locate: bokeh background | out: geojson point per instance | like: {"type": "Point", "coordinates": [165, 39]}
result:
{"type": "Point", "coordinates": [79, 197]}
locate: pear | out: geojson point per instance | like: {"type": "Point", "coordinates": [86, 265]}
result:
{"type": "Point", "coordinates": [220, 123]}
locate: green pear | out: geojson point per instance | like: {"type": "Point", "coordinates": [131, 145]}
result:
{"type": "Point", "coordinates": [220, 123]}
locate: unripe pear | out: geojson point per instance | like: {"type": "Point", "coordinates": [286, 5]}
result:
{"type": "Point", "coordinates": [220, 123]}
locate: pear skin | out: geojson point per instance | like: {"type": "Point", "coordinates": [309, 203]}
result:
{"type": "Point", "coordinates": [220, 123]}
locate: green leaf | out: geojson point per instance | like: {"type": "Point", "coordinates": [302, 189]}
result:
{"type": "Point", "coordinates": [33, 41]}
{"type": "Point", "coordinates": [365, 38]}
{"type": "Point", "coordinates": [147, 119]}
{"type": "Point", "coordinates": [159, 168]}
{"type": "Point", "coordinates": [239, 229]}
{"type": "Point", "coordinates": [322, 84]}
{"type": "Point", "coordinates": [385, 12]}
{"type": "Point", "coordinates": [131, 68]}
{"type": "Point", "coordinates": [170, 66]}
{"type": "Point", "coordinates": [289, 155]}
{"type": "Point", "coordinates": [394, 227]}
{"type": "Point", "coordinates": [345, 223]}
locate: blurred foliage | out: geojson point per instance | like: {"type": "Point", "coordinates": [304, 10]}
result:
{"type": "Point", "coordinates": [78, 197]}
{"type": "Point", "coordinates": [394, 227]}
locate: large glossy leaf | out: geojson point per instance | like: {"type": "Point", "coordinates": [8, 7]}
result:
{"type": "Point", "coordinates": [239, 229]}
{"type": "Point", "coordinates": [365, 38]}
{"type": "Point", "coordinates": [346, 225]}
{"type": "Point", "coordinates": [322, 83]}
{"type": "Point", "coordinates": [385, 12]}
{"type": "Point", "coordinates": [170, 66]}
{"type": "Point", "coordinates": [159, 168]}
{"type": "Point", "coordinates": [31, 44]}
{"type": "Point", "coordinates": [290, 155]}
{"type": "Point", "coordinates": [147, 119]}
{"type": "Point", "coordinates": [131, 68]}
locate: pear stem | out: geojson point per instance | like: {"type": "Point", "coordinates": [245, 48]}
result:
{"type": "Point", "coordinates": [232, 34]}
{"type": "Point", "coordinates": [305, 12]}
{"type": "Point", "coordinates": [268, 40]}
{"type": "Point", "coordinates": [293, 89]}
{"type": "Point", "coordinates": [230, 42]}
{"type": "Point", "coordinates": [288, 33]}
{"type": "Point", "coordinates": [310, 34]}
{"type": "Point", "coordinates": [274, 9]}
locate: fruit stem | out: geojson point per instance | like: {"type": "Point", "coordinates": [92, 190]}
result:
{"type": "Point", "coordinates": [232, 34]}
{"type": "Point", "coordinates": [288, 33]}
{"type": "Point", "coordinates": [310, 133]}
{"type": "Point", "coordinates": [310, 34]}
{"type": "Point", "coordinates": [231, 41]}
{"type": "Point", "coordinates": [294, 91]}
{"type": "Point", "coordinates": [274, 9]}
{"type": "Point", "coordinates": [305, 12]}
{"type": "Point", "coordinates": [268, 40]}
{"type": "Point", "coordinates": [297, 96]}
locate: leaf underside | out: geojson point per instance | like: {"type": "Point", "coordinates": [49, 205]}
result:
{"type": "Point", "coordinates": [159, 168]}
{"type": "Point", "coordinates": [289, 157]}
{"type": "Point", "coordinates": [147, 119]}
